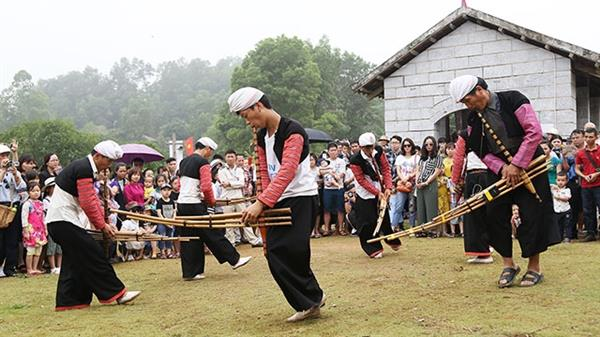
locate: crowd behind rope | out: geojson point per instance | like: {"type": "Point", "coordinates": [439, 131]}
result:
{"type": "Point", "coordinates": [424, 187]}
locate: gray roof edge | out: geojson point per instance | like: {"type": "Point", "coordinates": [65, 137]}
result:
{"type": "Point", "coordinates": [458, 17]}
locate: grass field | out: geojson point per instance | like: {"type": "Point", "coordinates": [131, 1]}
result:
{"type": "Point", "coordinates": [425, 289]}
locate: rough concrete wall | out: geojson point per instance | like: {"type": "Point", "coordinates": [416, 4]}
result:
{"type": "Point", "coordinates": [416, 95]}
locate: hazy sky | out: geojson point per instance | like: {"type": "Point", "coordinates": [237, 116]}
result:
{"type": "Point", "coordinates": [48, 38]}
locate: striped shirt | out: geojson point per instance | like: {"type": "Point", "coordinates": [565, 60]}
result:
{"type": "Point", "coordinates": [427, 167]}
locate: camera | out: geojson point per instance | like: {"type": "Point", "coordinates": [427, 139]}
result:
{"type": "Point", "coordinates": [11, 163]}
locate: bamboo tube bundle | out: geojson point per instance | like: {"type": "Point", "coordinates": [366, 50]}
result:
{"type": "Point", "coordinates": [226, 202]}
{"type": "Point", "coordinates": [272, 217]}
{"type": "Point", "coordinates": [498, 189]}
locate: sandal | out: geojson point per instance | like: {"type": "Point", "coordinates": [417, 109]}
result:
{"type": "Point", "coordinates": [531, 278]}
{"type": "Point", "coordinates": [507, 277]}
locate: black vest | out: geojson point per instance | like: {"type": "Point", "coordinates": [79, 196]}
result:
{"type": "Point", "coordinates": [510, 101]}
{"type": "Point", "coordinates": [286, 128]}
{"type": "Point", "coordinates": [357, 159]}
{"type": "Point", "coordinates": [79, 169]}
{"type": "Point", "coordinates": [190, 166]}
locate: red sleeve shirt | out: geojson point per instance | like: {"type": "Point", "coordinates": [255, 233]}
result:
{"type": "Point", "coordinates": [89, 202]}
{"type": "Point", "coordinates": [586, 166]}
{"type": "Point", "coordinates": [387, 172]}
{"type": "Point", "coordinates": [458, 160]}
{"type": "Point", "coordinates": [359, 176]}
{"type": "Point", "coordinates": [272, 190]}
{"type": "Point", "coordinates": [206, 185]}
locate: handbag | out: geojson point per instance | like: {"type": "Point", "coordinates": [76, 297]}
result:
{"type": "Point", "coordinates": [404, 187]}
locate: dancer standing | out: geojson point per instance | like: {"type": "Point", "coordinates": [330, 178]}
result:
{"type": "Point", "coordinates": [85, 269]}
{"type": "Point", "coordinates": [284, 168]}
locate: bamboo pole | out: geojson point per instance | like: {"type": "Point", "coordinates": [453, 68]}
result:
{"type": "Point", "coordinates": [266, 213]}
{"type": "Point", "coordinates": [207, 222]}
{"type": "Point", "coordinates": [476, 201]}
{"type": "Point", "coordinates": [225, 202]}
{"type": "Point", "coordinates": [382, 209]}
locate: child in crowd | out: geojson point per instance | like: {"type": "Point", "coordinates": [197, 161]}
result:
{"type": "Point", "coordinates": [515, 220]}
{"type": "Point", "coordinates": [53, 250]}
{"type": "Point", "coordinates": [326, 171]}
{"type": "Point", "coordinates": [166, 208]}
{"type": "Point", "coordinates": [149, 191]}
{"type": "Point", "coordinates": [175, 184]}
{"type": "Point", "coordinates": [561, 195]}
{"type": "Point", "coordinates": [135, 249]}
{"type": "Point", "coordinates": [453, 196]}
{"type": "Point", "coordinates": [34, 228]}
{"type": "Point", "coordinates": [159, 181]}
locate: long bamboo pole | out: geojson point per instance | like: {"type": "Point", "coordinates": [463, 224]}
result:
{"type": "Point", "coordinates": [230, 222]}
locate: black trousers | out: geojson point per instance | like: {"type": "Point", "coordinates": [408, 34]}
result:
{"type": "Point", "coordinates": [365, 220]}
{"type": "Point", "coordinates": [538, 229]}
{"type": "Point", "coordinates": [476, 239]}
{"type": "Point", "coordinates": [85, 269]}
{"type": "Point", "coordinates": [9, 245]}
{"type": "Point", "coordinates": [288, 254]}
{"type": "Point", "coordinates": [192, 252]}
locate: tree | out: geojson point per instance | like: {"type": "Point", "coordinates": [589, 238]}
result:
{"type": "Point", "coordinates": [22, 101]}
{"type": "Point", "coordinates": [39, 138]}
{"type": "Point", "coordinates": [284, 68]}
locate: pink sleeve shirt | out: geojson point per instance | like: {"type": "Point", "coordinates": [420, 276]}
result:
{"type": "Point", "coordinates": [532, 138]}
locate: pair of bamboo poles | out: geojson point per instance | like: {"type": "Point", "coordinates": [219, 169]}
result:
{"type": "Point", "coordinates": [538, 166]}
{"type": "Point", "coordinates": [272, 217]}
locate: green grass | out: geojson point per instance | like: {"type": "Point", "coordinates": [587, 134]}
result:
{"type": "Point", "coordinates": [425, 289]}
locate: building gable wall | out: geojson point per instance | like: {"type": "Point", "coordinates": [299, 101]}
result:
{"type": "Point", "coordinates": [416, 95]}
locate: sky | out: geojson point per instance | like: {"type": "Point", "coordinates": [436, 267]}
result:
{"type": "Point", "coordinates": [50, 38]}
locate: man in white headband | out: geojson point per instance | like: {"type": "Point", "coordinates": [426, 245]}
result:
{"type": "Point", "coordinates": [373, 176]}
{"type": "Point", "coordinates": [85, 269]}
{"type": "Point", "coordinates": [284, 168]}
{"type": "Point", "coordinates": [512, 122]}
{"type": "Point", "coordinates": [195, 197]}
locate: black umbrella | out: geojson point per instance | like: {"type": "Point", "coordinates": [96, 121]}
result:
{"type": "Point", "coordinates": [317, 136]}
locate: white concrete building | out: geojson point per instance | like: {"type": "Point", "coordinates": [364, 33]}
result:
{"type": "Point", "coordinates": [561, 80]}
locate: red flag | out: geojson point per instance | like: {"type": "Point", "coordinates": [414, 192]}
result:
{"type": "Point", "coordinates": [464, 3]}
{"type": "Point", "coordinates": [188, 146]}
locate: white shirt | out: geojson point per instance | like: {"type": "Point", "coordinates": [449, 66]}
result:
{"type": "Point", "coordinates": [559, 205]}
{"type": "Point", "coordinates": [338, 167]}
{"type": "Point", "coordinates": [474, 162]}
{"type": "Point", "coordinates": [236, 178]}
{"type": "Point", "coordinates": [362, 192]}
{"type": "Point", "coordinates": [303, 183]}
{"type": "Point", "coordinates": [65, 207]}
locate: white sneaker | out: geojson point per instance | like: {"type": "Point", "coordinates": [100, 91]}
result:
{"type": "Point", "coordinates": [242, 262]}
{"type": "Point", "coordinates": [2, 272]}
{"type": "Point", "coordinates": [481, 260]}
{"type": "Point", "coordinates": [378, 256]}
{"type": "Point", "coordinates": [55, 271]}
{"type": "Point", "coordinates": [323, 300]}
{"type": "Point", "coordinates": [314, 312]}
{"type": "Point", "coordinates": [128, 297]}
{"type": "Point", "coordinates": [196, 278]}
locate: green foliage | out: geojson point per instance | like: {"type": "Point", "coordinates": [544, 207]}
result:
{"type": "Point", "coordinates": [309, 84]}
{"type": "Point", "coordinates": [284, 69]}
{"type": "Point", "coordinates": [22, 101]}
{"type": "Point", "coordinates": [138, 102]}
{"type": "Point", "coordinates": [41, 137]}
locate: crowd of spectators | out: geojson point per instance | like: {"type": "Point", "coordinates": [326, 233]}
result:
{"type": "Point", "coordinates": [421, 175]}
